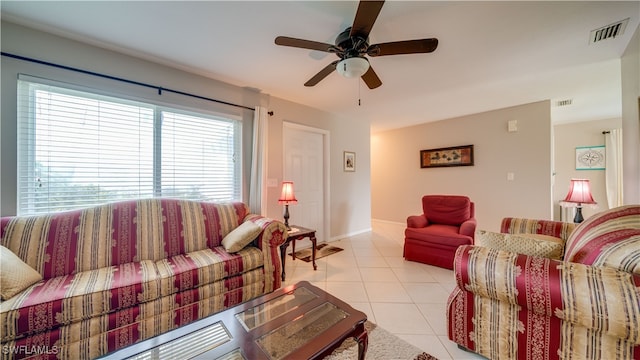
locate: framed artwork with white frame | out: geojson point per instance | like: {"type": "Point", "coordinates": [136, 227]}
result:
{"type": "Point", "coordinates": [349, 161]}
{"type": "Point", "coordinates": [590, 157]}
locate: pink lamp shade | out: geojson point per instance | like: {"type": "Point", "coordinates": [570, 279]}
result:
{"type": "Point", "coordinates": [287, 196]}
{"type": "Point", "coordinates": [580, 192]}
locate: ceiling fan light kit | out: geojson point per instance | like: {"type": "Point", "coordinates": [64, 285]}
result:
{"type": "Point", "coordinates": [353, 67]}
{"type": "Point", "coordinates": [352, 45]}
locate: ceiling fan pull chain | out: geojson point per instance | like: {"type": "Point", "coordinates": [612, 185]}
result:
{"type": "Point", "coordinates": [359, 97]}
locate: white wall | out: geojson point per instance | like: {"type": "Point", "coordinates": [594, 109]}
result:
{"type": "Point", "coordinates": [350, 202]}
{"type": "Point", "coordinates": [398, 182]}
{"type": "Point", "coordinates": [566, 138]}
{"type": "Point", "coordinates": [630, 65]}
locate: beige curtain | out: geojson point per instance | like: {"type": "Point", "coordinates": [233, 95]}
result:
{"type": "Point", "coordinates": [613, 172]}
{"type": "Point", "coordinates": [257, 185]}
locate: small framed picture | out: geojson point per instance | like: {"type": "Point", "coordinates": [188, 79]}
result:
{"type": "Point", "coordinates": [349, 161]}
{"type": "Point", "coordinates": [590, 157]}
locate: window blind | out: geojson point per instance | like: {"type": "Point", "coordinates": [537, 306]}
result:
{"type": "Point", "coordinates": [78, 148]}
{"type": "Point", "coordinates": [198, 157]}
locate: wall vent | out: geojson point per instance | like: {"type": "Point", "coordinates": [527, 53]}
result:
{"type": "Point", "coordinates": [566, 102]}
{"type": "Point", "coordinates": [608, 32]}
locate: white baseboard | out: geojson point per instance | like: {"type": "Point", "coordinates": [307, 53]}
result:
{"type": "Point", "coordinates": [343, 236]}
{"type": "Point", "coordinates": [389, 222]}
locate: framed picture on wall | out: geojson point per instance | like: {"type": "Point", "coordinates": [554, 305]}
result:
{"type": "Point", "coordinates": [590, 157]}
{"type": "Point", "coordinates": [349, 161]}
{"type": "Point", "coordinates": [446, 157]}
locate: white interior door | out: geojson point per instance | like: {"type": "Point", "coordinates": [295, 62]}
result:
{"type": "Point", "coordinates": [304, 165]}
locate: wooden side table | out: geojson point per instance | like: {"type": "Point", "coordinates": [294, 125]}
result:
{"type": "Point", "coordinates": [300, 234]}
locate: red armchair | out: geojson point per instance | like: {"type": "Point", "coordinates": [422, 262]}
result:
{"type": "Point", "coordinates": [432, 238]}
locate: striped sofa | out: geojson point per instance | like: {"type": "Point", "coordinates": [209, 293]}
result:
{"type": "Point", "coordinates": [508, 305]}
{"type": "Point", "coordinates": [119, 273]}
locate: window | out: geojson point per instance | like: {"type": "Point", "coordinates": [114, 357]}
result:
{"type": "Point", "coordinates": [77, 149]}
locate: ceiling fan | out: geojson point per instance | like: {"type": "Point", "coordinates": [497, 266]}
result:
{"type": "Point", "coordinates": [352, 45]}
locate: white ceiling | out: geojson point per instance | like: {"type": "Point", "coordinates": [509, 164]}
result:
{"type": "Point", "coordinates": [490, 54]}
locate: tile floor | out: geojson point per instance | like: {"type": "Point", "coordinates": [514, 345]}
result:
{"type": "Point", "coordinates": [406, 298]}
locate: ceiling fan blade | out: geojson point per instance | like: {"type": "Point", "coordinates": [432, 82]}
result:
{"type": "Point", "coordinates": [304, 44]}
{"type": "Point", "coordinates": [371, 79]}
{"type": "Point", "coordinates": [366, 16]}
{"type": "Point", "coordinates": [403, 47]}
{"type": "Point", "coordinates": [322, 74]}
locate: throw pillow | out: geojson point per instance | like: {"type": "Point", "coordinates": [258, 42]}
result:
{"type": "Point", "coordinates": [241, 236]}
{"type": "Point", "coordinates": [15, 274]}
{"type": "Point", "coordinates": [538, 245]}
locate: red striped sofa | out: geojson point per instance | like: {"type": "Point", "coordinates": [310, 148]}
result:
{"type": "Point", "coordinates": [585, 306]}
{"type": "Point", "coordinates": [122, 272]}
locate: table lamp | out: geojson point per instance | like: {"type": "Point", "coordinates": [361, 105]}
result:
{"type": "Point", "coordinates": [287, 197]}
{"type": "Point", "coordinates": [579, 193]}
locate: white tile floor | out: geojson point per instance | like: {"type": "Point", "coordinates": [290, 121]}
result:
{"type": "Point", "coordinates": [406, 298]}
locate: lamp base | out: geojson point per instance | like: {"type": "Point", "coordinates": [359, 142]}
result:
{"type": "Point", "coordinates": [286, 216]}
{"type": "Point", "coordinates": [578, 218]}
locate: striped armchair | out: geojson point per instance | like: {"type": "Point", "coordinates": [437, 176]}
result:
{"type": "Point", "coordinates": [508, 305]}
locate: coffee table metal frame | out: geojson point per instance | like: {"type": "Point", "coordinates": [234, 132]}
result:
{"type": "Point", "coordinates": [252, 330]}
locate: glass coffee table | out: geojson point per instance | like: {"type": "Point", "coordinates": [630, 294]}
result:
{"type": "Point", "coordinates": [299, 321]}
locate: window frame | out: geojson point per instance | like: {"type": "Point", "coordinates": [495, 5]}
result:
{"type": "Point", "coordinates": [158, 109]}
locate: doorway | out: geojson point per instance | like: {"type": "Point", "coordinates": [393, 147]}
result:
{"type": "Point", "coordinates": [306, 164]}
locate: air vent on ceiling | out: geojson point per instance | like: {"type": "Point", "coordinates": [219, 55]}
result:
{"type": "Point", "coordinates": [608, 32]}
{"type": "Point", "coordinates": [566, 102]}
